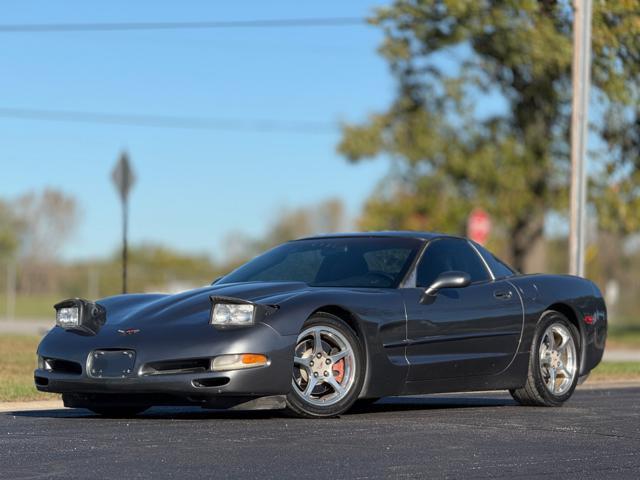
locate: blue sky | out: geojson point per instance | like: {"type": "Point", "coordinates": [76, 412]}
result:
{"type": "Point", "coordinates": [194, 186]}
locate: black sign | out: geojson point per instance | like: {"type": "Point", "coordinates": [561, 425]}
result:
{"type": "Point", "coordinates": [123, 177]}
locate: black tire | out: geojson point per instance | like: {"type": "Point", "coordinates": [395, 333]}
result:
{"type": "Point", "coordinates": [117, 412]}
{"type": "Point", "coordinates": [296, 403]}
{"type": "Point", "coordinates": [535, 392]}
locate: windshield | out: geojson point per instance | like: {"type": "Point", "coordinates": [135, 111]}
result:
{"type": "Point", "coordinates": [376, 262]}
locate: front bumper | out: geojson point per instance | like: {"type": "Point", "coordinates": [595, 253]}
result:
{"type": "Point", "coordinates": [175, 388]}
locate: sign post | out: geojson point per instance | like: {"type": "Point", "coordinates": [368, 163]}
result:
{"type": "Point", "coordinates": [579, 131]}
{"type": "Point", "coordinates": [123, 178]}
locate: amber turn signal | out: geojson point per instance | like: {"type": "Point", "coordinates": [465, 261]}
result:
{"type": "Point", "coordinates": [253, 358]}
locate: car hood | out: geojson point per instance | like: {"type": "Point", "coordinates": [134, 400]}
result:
{"type": "Point", "coordinates": [193, 305]}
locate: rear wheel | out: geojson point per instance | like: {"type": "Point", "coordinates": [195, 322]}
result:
{"type": "Point", "coordinates": [553, 363]}
{"type": "Point", "coordinates": [328, 368]}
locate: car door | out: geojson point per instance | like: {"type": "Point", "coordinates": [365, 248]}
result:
{"type": "Point", "coordinates": [473, 330]}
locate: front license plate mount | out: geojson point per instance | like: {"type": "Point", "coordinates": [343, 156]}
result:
{"type": "Point", "coordinates": [111, 363]}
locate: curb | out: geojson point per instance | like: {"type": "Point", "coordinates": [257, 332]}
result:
{"type": "Point", "coordinates": [33, 405]}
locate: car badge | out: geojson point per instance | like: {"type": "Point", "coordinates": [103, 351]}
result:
{"type": "Point", "coordinates": [128, 331]}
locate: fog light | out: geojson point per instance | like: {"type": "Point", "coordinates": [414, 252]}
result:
{"type": "Point", "coordinates": [43, 364]}
{"type": "Point", "coordinates": [238, 362]}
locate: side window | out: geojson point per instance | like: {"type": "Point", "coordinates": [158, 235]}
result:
{"type": "Point", "coordinates": [499, 268]}
{"type": "Point", "coordinates": [444, 255]}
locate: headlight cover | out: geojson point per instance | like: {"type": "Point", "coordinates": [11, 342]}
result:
{"type": "Point", "coordinates": [230, 314]}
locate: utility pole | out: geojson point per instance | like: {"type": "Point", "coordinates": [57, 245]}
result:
{"type": "Point", "coordinates": [123, 178]}
{"type": "Point", "coordinates": [579, 133]}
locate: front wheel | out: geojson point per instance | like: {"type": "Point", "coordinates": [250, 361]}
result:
{"type": "Point", "coordinates": [553, 364]}
{"type": "Point", "coordinates": [328, 368]}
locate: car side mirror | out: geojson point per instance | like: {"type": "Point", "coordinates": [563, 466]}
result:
{"type": "Point", "coordinates": [452, 279]}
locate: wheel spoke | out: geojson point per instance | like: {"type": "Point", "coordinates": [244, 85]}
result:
{"type": "Point", "coordinates": [564, 372]}
{"type": "Point", "coordinates": [302, 361]}
{"type": "Point", "coordinates": [311, 385]}
{"type": "Point", "coordinates": [336, 357]}
{"type": "Point", "coordinates": [552, 379]}
{"type": "Point", "coordinates": [317, 341]}
{"type": "Point", "coordinates": [339, 389]}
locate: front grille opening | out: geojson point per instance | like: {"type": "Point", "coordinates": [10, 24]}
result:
{"type": "Point", "coordinates": [167, 367]}
{"type": "Point", "coordinates": [41, 381]}
{"type": "Point", "coordinates": [62, 366]}
{"type": "Point", "coordinates": [211, 382]}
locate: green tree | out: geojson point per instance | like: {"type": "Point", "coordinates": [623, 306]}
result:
{"type": "Point", "coordinates": [481, 115]}
{"type": "Point", "coordinates": [47, 220]}
{"type": "Point", "coordinates": [9, 232]}
{"type": "Point", "coordinates": [326, 217]}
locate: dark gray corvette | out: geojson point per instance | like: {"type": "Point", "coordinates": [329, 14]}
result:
{"type": "Point", "coordinates": [316, 324]}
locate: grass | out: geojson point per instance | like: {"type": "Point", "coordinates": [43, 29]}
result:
{"type": "Point", "coordinates": [31, 306]}
{"type": "Point", "coordinates": [612, 371]}
{"type": "Point", "coordinates": [624, 337]}
{"type": "Point", "coordinates": [18, 360]}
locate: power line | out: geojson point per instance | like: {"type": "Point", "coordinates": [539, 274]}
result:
{"type": "Point", "coordinates": [166, 121]}
{"type": "Point", "coordinates": [204, 25]}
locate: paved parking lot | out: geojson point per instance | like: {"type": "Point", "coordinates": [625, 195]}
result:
{"type": "Point", "coordinates": [596, 435]}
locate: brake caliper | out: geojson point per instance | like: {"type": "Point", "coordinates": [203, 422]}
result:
{"type": "Point", "coordinates": [338, 370]}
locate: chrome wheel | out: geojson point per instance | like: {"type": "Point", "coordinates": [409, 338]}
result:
{"type": "Point", "coordinates": [324, 366]}
{"type": "Point", "coordinates": [558, 359]}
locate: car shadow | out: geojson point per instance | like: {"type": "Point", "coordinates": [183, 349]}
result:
{"type": "Point", "coordinates": [385, 405]}
{"type": "Point", "coordinates": [400, 404]}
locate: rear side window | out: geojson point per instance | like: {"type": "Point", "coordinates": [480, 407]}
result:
{"type": "Point", "coordinates": [447, 254]}
{"type": "Point", "coordinates": [497, 266]}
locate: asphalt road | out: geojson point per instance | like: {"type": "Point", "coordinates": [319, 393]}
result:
{"type": "Point", "coordinates": [595, 435]}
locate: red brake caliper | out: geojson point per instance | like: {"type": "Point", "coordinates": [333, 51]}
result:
{"type": "Point", "coordinates": [338, 370]}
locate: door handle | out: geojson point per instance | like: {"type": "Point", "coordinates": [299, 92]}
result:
{"type": "Point", "coordinates": [503, 294]}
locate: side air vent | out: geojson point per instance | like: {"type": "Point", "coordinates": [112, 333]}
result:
{"type": "Point", "coordinates": [172, 367]}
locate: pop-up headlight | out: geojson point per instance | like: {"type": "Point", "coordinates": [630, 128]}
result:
{"type": "Point", "coordinates": [232, 314]}
{"type": "Point", "coordinates": [229, 312]}
{"type": "Point", "coordinates": [80, 315]}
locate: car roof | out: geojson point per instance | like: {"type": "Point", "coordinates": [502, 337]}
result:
{"type": "Point", "coordinates": [384, 234]}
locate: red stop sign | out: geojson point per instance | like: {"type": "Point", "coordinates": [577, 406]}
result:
{"type": "Point", "coordinates": [479, 226]}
